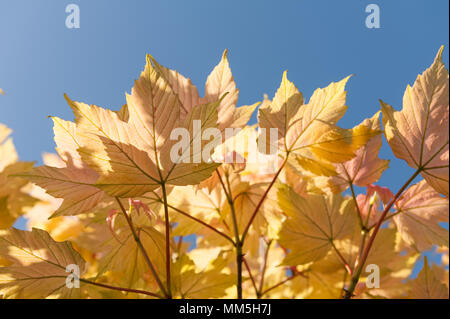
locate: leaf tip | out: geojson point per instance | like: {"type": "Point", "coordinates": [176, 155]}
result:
{"type": "Point", "coordinates": [225, 54]}
{"type": "Point", "coordinates": [439, 54]}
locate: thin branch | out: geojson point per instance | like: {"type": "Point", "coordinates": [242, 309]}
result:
{"type": "Point", "coordinates": [238, 241]}
{"type": "Point", "coordinates": [167, 239]}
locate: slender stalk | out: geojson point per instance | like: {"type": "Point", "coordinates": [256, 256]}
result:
{"type": "Point", "coordinates": [251, 277]}
{"type": "Point", "coordinates": [263, 272]}
{"type": "Point", "coordinates": [142, 249]}
{"type": "Point", "coordinates": [258, 206]}
{"type": "Point", "coordinates": [361, 224]}
{"type": "Point", "coordinates": [342, 259]}
{"type": "Point", "coordinates": [281, 283]}
{"type": "Point", "coordinates": [194, 219]}
{"type": "Point", "coordinates": [137, 291]}
{"type": "Point", "coordinates": [167, 228]}
{"type": "Point", "coordinates": [361, 247]}
{"type": "Point", "coordinates": [387, 218]}
{"type": "Point", "coordinates": [202, 223]}
{"type": "Point", "coordinates": [365, 230]}
{"type": "Point", "coordinates": [357, 274]}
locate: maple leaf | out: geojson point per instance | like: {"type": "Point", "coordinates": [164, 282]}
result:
{"type": "Point", "coordinates": [247, 196]}
{"type": "Point", "coordinates": [14, 201]}
{"type": "Point", "coordinates": [194, 283]}
{"type": "Point", "coordinates": [365, 168]}
{"type": "Point", "coordinates": [427, 286]}
{"type": "Point", "coordinates": [313, 223]}
{"type": "Point", "coordinates": [371, 204]}
{"type": "Point", "coordinates": [418, 133]}
{"type": "Point", "coordinates": [219, 82]}
{"type": "Point", "coordinates": [309, 131]}
{"type": "Point", "coordinates": [8, 154]}
{"type": "Point", "coordinates": [74, 181]}
{"type": "Point", "coordinates": [419, 211]}
{"type": "Point", "coordinates": [60, 228]}
{"type": "Point", "coordinates": [205, 206]}
{"type": "Point", "coordinates": [133, 157]}
{"type": "Point", "coordinates": [124, 258]}
{"type": "Point", "coordinates": [36, 265]}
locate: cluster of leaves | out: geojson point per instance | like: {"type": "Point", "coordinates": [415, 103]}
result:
{"type": "Point", "coordinates": [113, 203]}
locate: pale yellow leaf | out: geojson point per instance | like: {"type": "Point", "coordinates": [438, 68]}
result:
{"type": "Point", "coordinates": [37, 266]}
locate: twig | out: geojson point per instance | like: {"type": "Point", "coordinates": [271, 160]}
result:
{"type": "Point", "coordinates": [167, 235]}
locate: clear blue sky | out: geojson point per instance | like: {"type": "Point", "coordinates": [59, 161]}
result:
{"type": "Point", "coordinates": [316, 41]}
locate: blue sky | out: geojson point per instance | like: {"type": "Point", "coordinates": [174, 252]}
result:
{"type": "Point", "coordinates": [316, 41]}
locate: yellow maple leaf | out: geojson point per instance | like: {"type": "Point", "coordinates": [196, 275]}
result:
{"type": "Point", "coordinates": [313, 223]}
{"type": "Point", "coordinates": [309, 131]}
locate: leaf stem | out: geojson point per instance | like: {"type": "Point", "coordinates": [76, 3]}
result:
{"type": "Point", "coordinates": [361, 223]}
{"type": "Point", "coordinates": [341, 258]}
{"type": "Point", "coordinates": [251, 278]}
{"type": "Point", "coordinates": [357, 274]}
{"type": "Point", "coordinates": [202, 223]}
{"type": "Point", "coordinates": [142, 248]}
{"type": "Point", "coordinates": [258, 206]}
{"type": "Point", "coordinates": [193, 218]}
{"type": "Point", "coordinates": [137, 291]}
{"type": "Point", "coordinates": [263, 272]}
{"type": "Point", "coordinates": [282, 282]}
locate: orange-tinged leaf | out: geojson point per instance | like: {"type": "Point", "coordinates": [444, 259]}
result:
{"type": "Point", "coordinates": [365, 168]}
{"type": "Point", "coordinates": [418, 133]}
{"type": "Point", "coordinates": [427, 286]}
{"type": "Point", "coordinates": [420, 210]}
